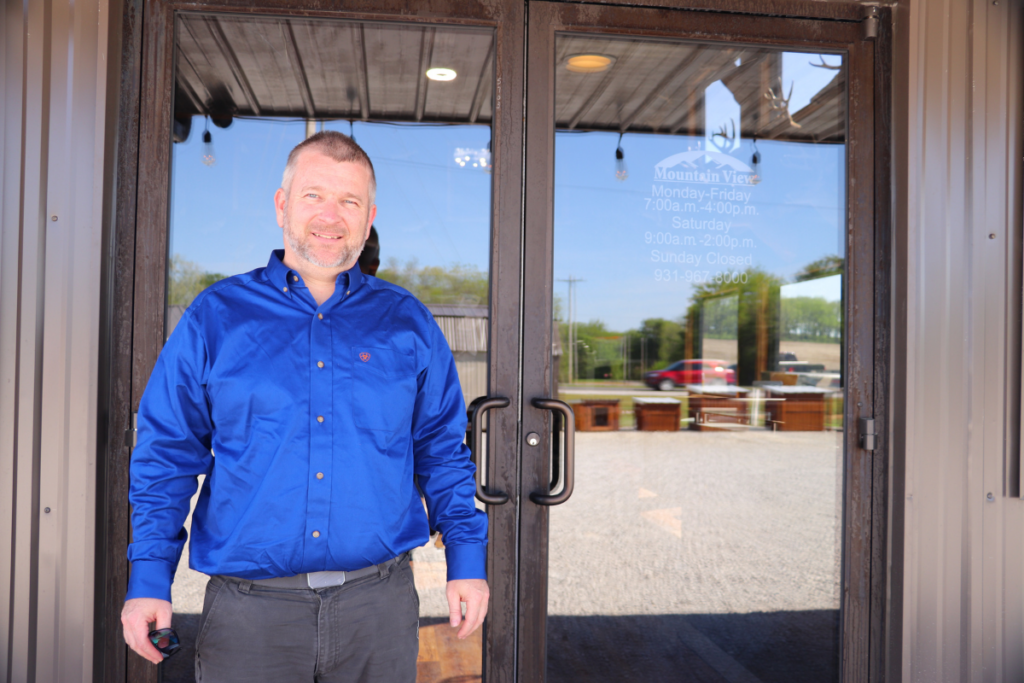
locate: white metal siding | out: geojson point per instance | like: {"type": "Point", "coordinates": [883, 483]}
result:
{"type": "Point", "coordinates": [472, 369]}
{"type": "Point", "coordinates": [959, 201]}
{"type": "Point", "coordinates": [464, 334]}
{"type": "Point", "coordinates": [467, 339]}
{"type": "Point", "coordinates": [53, 123]}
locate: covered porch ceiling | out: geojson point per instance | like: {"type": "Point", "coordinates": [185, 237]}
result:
{"type": "Point", "coordinates": [244, 66]}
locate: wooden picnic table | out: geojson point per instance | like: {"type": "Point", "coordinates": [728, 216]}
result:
{"type": "Point", "coordinates": [714, 407]}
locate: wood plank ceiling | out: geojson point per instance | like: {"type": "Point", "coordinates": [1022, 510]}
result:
{"type": "Point", "coordinates": [253, 66]}
{"type": "Point", "coordinates": [324, 69]}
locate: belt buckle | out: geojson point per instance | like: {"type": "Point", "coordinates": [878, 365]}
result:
{"type": "Point", "coordinates": [317, 580]}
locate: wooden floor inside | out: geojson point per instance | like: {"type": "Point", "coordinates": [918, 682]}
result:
{"type": "Point", "coordinates": [444, 658]}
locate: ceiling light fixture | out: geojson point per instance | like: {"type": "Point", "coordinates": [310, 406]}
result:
{"type": "Point", "coordinates": [476, 158]}
{"type": "Point", "coordinates": [441, 74]}
{"type": "Point", "coordinates": [588, 64]}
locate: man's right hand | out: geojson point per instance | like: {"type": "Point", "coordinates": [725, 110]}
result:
{"type": "Point", "coordinates": [137, 615]}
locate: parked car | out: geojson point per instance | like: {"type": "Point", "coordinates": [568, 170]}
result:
{"type": "Point", "coordinates": [800, 366]}
{"type": "Point", "coordinates": [692, 371]}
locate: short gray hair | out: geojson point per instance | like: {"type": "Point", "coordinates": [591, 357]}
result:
{"type": "Point", "coordinates": [335, 145]}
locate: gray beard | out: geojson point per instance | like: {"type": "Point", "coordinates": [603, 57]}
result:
{"type": "Point", "coordinates": [348, 255]}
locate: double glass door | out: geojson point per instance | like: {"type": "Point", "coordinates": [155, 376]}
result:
{"type": "Point", "coordinates": [647, 235]}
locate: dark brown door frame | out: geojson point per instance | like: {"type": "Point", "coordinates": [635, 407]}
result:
{"type": "Point", "coordinates": [131, 243]}
{"type": "Point", "coordinates": [864, 636]}
{"type": "Point", "coordinates": [139, 255]}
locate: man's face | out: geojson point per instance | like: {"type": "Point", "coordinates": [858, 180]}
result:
{"type": "Point", "coordinates": [326, 214]}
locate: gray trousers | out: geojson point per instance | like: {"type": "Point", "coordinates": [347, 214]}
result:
{"type": "Point", "coordinates": [366, 631]}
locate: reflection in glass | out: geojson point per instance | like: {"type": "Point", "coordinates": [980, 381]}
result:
{"type": "Point", "coordinates": [704, 310]}
{"type": "Point", "coordinates": [247, 90]}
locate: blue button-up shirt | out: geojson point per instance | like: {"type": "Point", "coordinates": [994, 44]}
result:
{"type": "Point", "coordinates": [318, 418]}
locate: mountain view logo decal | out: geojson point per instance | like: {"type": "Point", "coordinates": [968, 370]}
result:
{"type": "Point", "coordinates": [704, 166]}
{"type": "Point", "coordinates": [364, 356]}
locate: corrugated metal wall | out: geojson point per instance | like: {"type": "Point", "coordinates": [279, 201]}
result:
{"type": "Point", "coordinates": [958, 139]}
{"type": "Point", "coordinates": [54, 189]}
{"type": "Point", "coordinates": [958, 154]}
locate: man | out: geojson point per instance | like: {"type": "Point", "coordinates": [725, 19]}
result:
{"type": "Point", "coordinates": [369, 260]}
{"type": "Point", "coordinates": [309, 395]}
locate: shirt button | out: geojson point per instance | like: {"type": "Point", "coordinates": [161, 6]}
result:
{"type": "Point", "coordinates": [319, 418]}
{"type": "Point", "coordinates": [285, 289]}
{"type": "Point", "coordinates": [320, 315]}
{"type": "Point", "coordinates": [347, 293]}
{"type": "Point", "coordinates": [319, 475]}
{"type": "Point", "coordinates": [295, 278]}
{"type": "Point", "coordinates": [316, 534]}
{"type": "Point", "coordinates": [319, 363]}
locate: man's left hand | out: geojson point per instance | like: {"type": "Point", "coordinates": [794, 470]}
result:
{"type": "Point", "coordinates": [474, 593]}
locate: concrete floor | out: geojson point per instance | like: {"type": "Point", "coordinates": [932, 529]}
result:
{"type": "Point", "coordinates": [725, 546]}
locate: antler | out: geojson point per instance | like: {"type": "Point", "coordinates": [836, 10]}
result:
{"type": "Point", "coordinates": [823, 65]}
{"type": "Point", "coordinates": [781, 104]}
{"type": "Point", "coordinates": [778, 102]}
{"type": "Point", "coordinates": [724, 133]}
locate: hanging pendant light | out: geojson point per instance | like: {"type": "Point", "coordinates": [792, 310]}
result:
{"type": "Point", "coordinates": [621, 171]}
{"type": "Point", "coordinates": [756, 163]}
{"type": "Point", "coordinates": [209, 158]}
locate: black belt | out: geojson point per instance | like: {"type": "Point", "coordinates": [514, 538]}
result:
{"type": "Point", "coordinates": [316, 580]}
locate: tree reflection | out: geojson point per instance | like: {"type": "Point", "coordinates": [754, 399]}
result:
{"type": "Point", "coordinates": [746, 309]}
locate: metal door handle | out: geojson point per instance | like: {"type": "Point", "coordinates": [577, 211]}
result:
{"type": "Point", "coordinates": [570, 452]}
{"type": "Point", "coordinates": [476, 410]}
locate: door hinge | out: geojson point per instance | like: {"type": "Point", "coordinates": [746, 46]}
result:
{"type": "Point", "coordinates": [870, 23]}
{"type": "Point", "coordinates": [868, 436]}
{"type": "Point", "coordinates": [131, 436]}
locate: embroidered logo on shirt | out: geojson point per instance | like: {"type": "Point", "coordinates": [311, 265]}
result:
{"type": "Point", "coordinates": [364, 356]}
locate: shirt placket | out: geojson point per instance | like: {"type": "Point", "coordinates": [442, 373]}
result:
{"type": "Point", "coordinates": [321, 446]}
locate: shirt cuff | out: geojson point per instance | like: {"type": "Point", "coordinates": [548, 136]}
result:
{"type": "Point", "coordinates": [466, 561]}
{"type": "Point", "coordinates": [150, 579]}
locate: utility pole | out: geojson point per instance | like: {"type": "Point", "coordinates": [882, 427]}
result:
{"type": "Point", "coordinates": [625, 357]}
{"type": "Point", "coordinates": [573, 354]}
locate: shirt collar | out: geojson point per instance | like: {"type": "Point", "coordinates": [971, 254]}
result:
{"type": "Point", "coordinates": [277, 271]}
{"type": "Point", "coordinates": [281, 276]}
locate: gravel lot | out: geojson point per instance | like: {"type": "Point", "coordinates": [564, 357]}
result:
{"type": "Point", "coordinates": [664, 525]}
{"type": "Point", "coordinates": [698, 523]}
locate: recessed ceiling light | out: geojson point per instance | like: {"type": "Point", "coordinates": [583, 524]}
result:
{"type": "Point", "coordinates": [440, 74]}
{"type": "Point", "coordinates": [588, 64]}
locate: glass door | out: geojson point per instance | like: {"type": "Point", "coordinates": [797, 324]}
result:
{"type": "Point", "coordinates": [225, 98]}
{"type": "Point", "coordinates": [696, 238]}
{"type": "Point", "coordinates": [683, 329]}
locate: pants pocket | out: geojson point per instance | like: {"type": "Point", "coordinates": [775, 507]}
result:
{"type": "Point", "coordinates": [214, 588]}
{"type": "Point", "coordinates": [411, 581]}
